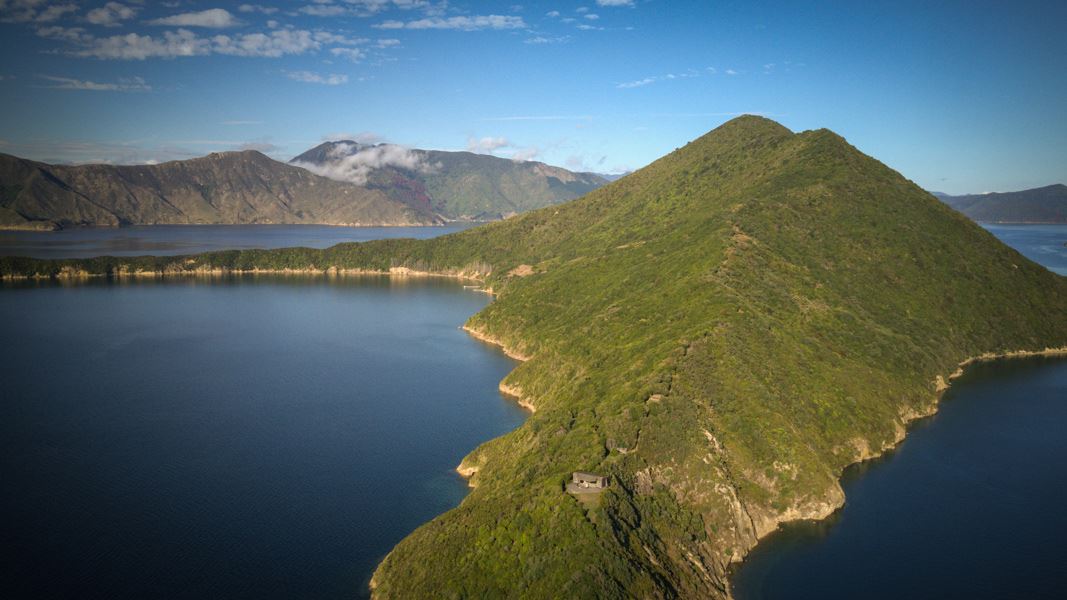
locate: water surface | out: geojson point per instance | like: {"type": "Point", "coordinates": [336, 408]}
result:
{"type": "Point", "coordinates": [239, 438]}
{"type": "Point", "coordinates": [1043, 244]}
{"type": "Point", "coordinates": [970, 505]}
{"type": "Point", "coordinates": [169, 240]}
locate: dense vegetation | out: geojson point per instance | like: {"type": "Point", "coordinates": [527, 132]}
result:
{"type": "Point", "coordinates": [721, 332]}
{"type": "Point", "coordinates": [1040, 205]}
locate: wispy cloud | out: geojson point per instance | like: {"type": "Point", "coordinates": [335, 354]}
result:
{"type": "Point", "coordinates": [312, 77]}
{"type": "Point", "coordinates": [542, 39]}
{"type": "Point", "coordinates": [354, 164]}
{"type": "Point", "coordinates": [184, 43]}
{"type": "Point", "coordinates": [366, 8]}
{"type": "Point", "coordinates": [687, 74]}
{"type": "Point", "coordinates": [33, 11]}
{"type": "Point", "coordinates": [615, 2]}
{"type": "Point", "coordinates": [352, 54]}
{"type": "Point", "coordinates": [637, 83]}
{"type": "Point", "coordinates": [487, 145]}
{"type": "Point", "coordinates": [129, 84]}
{"type": "Point", "coordinates": [540, 118]}
{"type": "Point", "coordinates": [257, 8]}
{"type": "Point", "coordinates": [213, 18]}
{"type": "Point", "coordinates": [111, 14]}
{"type": "Point", "coordinates": [461, 23]}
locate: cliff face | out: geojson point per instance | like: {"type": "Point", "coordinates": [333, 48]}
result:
{"type": "Point", "coordinates": [229, 187]}
{"type": "Point", "coordinates": [721, 333]}
{"type": "Point", "coordinates": [459, 185]}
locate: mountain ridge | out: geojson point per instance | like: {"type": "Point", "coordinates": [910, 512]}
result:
{"type": "Point", "coordinates": [228, 187]}
{"type": "Point", "coordinates": [462, 185]}
{"type": "Point", "coordinates": [1045, 205]}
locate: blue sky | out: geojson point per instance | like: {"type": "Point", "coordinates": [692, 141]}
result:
{"type": "Point", "coordinates": [965, 96]}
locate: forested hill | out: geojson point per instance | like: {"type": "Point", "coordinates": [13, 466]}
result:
{"type": "Point", "coordinates": [721, 333]}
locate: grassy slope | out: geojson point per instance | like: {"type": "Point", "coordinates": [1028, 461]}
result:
{"type": "Point", "coordinates": [722, 332]}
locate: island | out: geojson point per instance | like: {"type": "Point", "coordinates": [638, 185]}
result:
{"type": "Point", "coordinates": [718, 335]}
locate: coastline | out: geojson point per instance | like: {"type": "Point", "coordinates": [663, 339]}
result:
{"type": "Point", "coordinates": [824, 510]}
{"type": "Point", "coordinates": [68, 273]}
{"type": "Point", "coordinates": [467, 470]}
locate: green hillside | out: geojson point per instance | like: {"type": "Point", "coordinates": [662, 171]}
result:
{"type": "Point", "coordinates": [721, 332]}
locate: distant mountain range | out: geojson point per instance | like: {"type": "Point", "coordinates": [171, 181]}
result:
{"type": "Point", "coordinates": [337, 183]}
{"type": "Point", "coordinates": [458, 185]}
{"type": "Point", "coordinates": [221, 188]}
{"type": "Point", "coordinates": [1040, 205]}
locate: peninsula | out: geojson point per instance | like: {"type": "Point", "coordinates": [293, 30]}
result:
{"type": "Point", "coordinates": [719, 334]}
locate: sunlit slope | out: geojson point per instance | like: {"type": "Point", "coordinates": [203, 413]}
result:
{"type": "Point", "coordinates": [722, 332]}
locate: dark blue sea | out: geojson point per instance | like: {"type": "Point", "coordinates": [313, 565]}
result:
{"type": "Point", "coordinates": [241, 438]}
{"type": "Point", "coordinates": [970, 505]}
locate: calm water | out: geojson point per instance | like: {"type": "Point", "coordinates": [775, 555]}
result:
{"type": "Point", "coordinates": [168, 240]}
{"type": "Point", "coordinates": [1043, 244]}
{"type": "Point", "coordinates": [249, 438]}
{"type": "Point", "coordinates": [971, 504]}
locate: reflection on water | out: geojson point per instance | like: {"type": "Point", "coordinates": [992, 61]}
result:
{"type": "Point", "coordinates": [168, 240]}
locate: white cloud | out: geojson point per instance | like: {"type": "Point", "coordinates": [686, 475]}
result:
{"type": "Point", "coordinates": [213, 18]}
{"type": "Point", "coordinates": [250, 8]}
{"type": "Point", "coordinates": [637, 83]}
{"type": "Point", "coordinates": [731, 72]}
{"type": "Point", "coordinates": [464, 23]}
{"type": "Point", "coordinates": [130, 84]}
{"type": "Point", "coordinates": [182, 42]}
{"type": "Point", "coordinates": [366, 8]}
{"type": "Point", "coordinates": [615, 2]}
{"type": "Point", "coordinates": [592, 16]}
{"type": "Point", "coordinates": [525, 154]}
{"type": "Point", "coordinates": [356, 167]}
{"type": "Point", "coordinates": [552, 14]}
{"type": "Point", "coordinates": [352, 54]}
{"type": "Point", "coordinates": [110, 15]}
{"type": "Point", "coordinates": [541, 118]}
{"type": "Point", "coordinates": [486, 145]}
{"type": "Point", "coordinates": [33, 11]}
{"type": "Point", "coordinates": [310, 77]}
{"type": "Point", "coordinates": [541, 39]}
{"type": "Point", "coordinates": [689, 74]}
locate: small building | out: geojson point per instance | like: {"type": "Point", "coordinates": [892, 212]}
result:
{"type": "Point", "coordinates": [587, 483]}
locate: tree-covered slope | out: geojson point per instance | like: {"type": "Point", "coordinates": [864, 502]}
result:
{"type": "Point", "coordinates": [721, 332]}
{"type": "Point", "coordinates": [1040, 205]}
{"type": "Point", "coordinates": [226, 187]}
